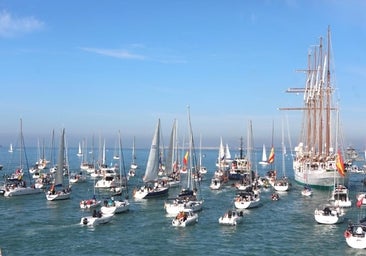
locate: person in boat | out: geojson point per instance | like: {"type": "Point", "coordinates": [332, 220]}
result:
{"type": "Point", "coordinates": [229, 214]}
{"type": "Point", "coordinates": [52, 190]}
{"type": "Point", "coordinates": [111, 202]}
{"type": "Point", "coordinates": [95, 213]}
{"type": "Point", "coordinates": [327, 211]}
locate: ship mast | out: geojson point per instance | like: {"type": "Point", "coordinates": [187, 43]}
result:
{"type": "Point", "coordinates": [328, 93]}
{"type": "Point", "coordinates": [317, 101]}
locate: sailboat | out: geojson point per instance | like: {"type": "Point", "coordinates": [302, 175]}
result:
{"type": "Point", "coordinates": [264, 161]}
{"type": "Point", "coordinates": [133, 162]}
{"type": "Point", "coordinates": [113, 205]}
{"type": "Point", "coordinates": [153, 187]}
{"type": "Point", "coordinates": [283, 183]}
{"type": "Point", "coordinates": [188, 196]}
{"type": "Point", "coordinates": [59, 190]}
{"type": "Point", "coordinates": [80, 152]}
{"type": "Point", "coordinates": [15, 185]}
{"type": "Point", "coordinates": [221, 159]}
{"type": "Point", "coordinates": [171, 171]}
{"type": "Point", "coordinates": [92, 202]}
{"type": "Point", "coordinates": [355, 234]}
{"type": "Point", "coordinates": [11, 148]}
{"type": "Point", "coordinates": [340, 193]}
{"type": "Point", "coordinates": [329, 214]}
{"type": "Point", "coordinates": [315, 159]}
{"type": "Point", "coordinates": [202, 168]}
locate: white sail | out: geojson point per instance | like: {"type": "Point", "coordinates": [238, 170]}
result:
{"type": "Point", "coordinates": [61, 161]}
{"type": "Point", "coordinates": [227, 153]}
{"type": "Point", "coordinates": [264, 154]}
{"type": "Point", "coordinates": [152, 167]}
{"type": "Point", "coordinates": [80, 153]}
{"type": "Point", "coordinates": [221, 151]}
{"type": "Point", "coordinates": [10, 148]}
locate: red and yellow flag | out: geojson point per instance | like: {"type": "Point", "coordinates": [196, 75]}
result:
{"type": "Point", "coordinates": [340, 164]}
{"type": "Point", "coordinates": [185, 159]}
{"type": "Point", "coordinates": [271, 156]}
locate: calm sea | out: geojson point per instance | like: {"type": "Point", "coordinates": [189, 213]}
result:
{"type": "Point", "coordinates": [31, 225]}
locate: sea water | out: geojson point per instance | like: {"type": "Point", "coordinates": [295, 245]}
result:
{"type": "Point", "coordinates": [31, 225]}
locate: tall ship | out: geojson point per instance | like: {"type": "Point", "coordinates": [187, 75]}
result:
{"type": "Point", "coordinates": [318, 158]}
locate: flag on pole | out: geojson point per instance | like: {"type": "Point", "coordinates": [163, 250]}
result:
{"type": "Point", "coordinates": [185, 159]}
{"type": "Point", "coordinates": [340, 164]}
{"type": "Point", "coordinates": [271, 156]}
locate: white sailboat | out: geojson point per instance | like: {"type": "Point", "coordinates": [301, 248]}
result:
{"type": "Point", "coordinates": [59, 190]}
{"type": "Point", "coordinates": [153, 187]}
{"type": "Point", "coordinates": [264, 161]}
{"type": "Point", "coordinates": [329, 214]}
{"type": "Point", "coordinates": [188, 197]}
{"type": "Point", "coordinates": [202, 168]}
{"type": "Point", "coordinates": [355, 234]}
{"type": "Point", "coordinates": [315, 160]}
{"type": "Point", "coordinates": [11, 148]}
{"type": "Point", "coordinates": [282, 184]}
{"type": "Point", "coordinates": [113, 205]}
{"type": "Point", "coordinates": [171, 171]}
{"type": "Point", "coordinates": [133, 165]}
{"type": "Point", "coordinates": [221, 163]}
{"type": "Point", "coordinates": [80, 152]}
{"type": "Point", "coordinates": [16, 184]}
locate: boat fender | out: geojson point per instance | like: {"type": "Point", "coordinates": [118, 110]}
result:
{"type": "Point", "coordinates": [347, 234]}
{"type": "Point", "coordinates": [85, 221]}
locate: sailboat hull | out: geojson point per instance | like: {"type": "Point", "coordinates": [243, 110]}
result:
{"type": "Point", "coordinates": [19, 191]}
{"type": "Point", "coordinates": [145, 193]}
{"type": "Point", "coordinates": [58, 196]}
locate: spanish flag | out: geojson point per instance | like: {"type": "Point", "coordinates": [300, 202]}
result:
{"type": "Point", "coordinates": [271, 156]}
{"type": "Point", "coordinates": [185, 159]}
{"type": "Point", "coordinates": [340, 164]}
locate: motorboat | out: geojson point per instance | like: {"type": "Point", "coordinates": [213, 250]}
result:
{"type": "Point", "coordinates": [185, 218]}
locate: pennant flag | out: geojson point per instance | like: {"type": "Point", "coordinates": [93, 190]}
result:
{"type": "Point", "coordinates": [271, 156]}
{"type": "Point", "coordinates": [185, 159]}
{"type": "Point", "coordinates": [340, 164]}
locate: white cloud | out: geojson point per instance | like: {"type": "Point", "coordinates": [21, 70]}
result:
{"type": "Point", "coordinates": [116, 53]}
{"type": "Point", "coordinates": [11, 26]}
{"type": "Point", "coordinates": [127, 54]}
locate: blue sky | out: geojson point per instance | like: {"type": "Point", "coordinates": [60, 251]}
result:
{"type": "Point", "coordinates": [96, 68]}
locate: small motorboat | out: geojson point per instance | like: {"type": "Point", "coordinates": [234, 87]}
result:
{"type": "Point", "coordinates": [96, 219]}
{"type": "Point", "coordinates": [185, 218]}
{"type": "Point", "coordinates": [231, 217]}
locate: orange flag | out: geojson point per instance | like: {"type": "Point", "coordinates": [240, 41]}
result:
{"type": "Point", "coordinates": [340, 164]}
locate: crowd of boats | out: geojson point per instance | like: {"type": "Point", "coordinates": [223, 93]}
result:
{"type": "Point", "coordinates": [319, 161]}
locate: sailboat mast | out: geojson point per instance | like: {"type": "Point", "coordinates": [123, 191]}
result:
{"type": "Point", "coordinates": [61, 160]}
{"type": "Point", "coordinates": [190, 169]}
{"type": "Point", "coordinates": [21, 145]}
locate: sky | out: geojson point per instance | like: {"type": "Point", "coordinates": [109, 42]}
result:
{"type": "Point", "coordinates": [95, 67]}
